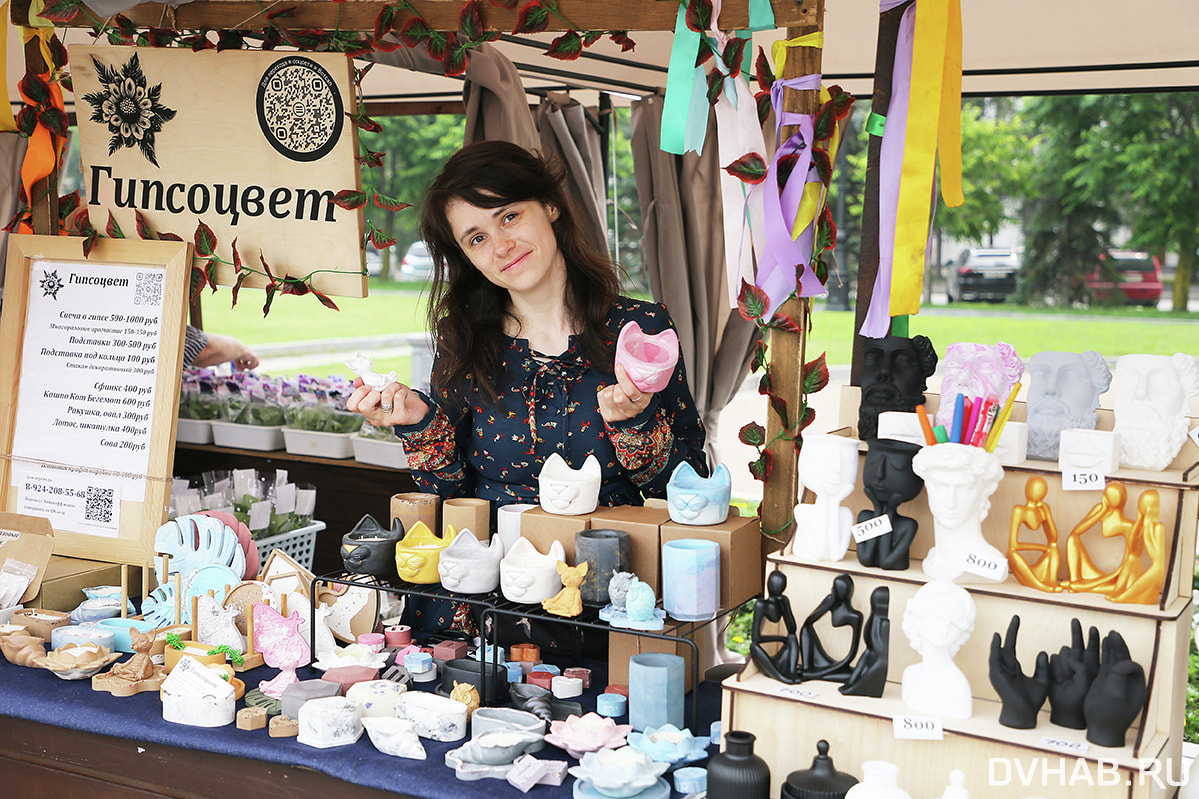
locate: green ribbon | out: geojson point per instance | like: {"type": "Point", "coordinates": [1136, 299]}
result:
{"type": "Point", "coordinates": [683, 82]}
{"type": "Point", "coordinates": [875, 124]}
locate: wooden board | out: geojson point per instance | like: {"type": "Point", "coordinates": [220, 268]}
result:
{"type": "Point", "coordinates": [31, 259]}
{"type": "Point", "coordinates": [254, 144]}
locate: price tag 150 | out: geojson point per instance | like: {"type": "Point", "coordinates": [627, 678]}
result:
{"type": "Point", "coordinates": [991, 566]}
{"type": "Point", "coordinates": [1078, 748]}
{"type": "Point", "coordinates": [1075, 480]}
{"type": "Point", "coordinates": [871, 528]}
{"type": "Point", "coordinates": [917, 728]}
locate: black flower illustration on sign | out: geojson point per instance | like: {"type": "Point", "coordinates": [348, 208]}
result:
{"type": "Point", "coordinates": [128, 107]}
{"type": "Point", "coordinates": [51, 283]}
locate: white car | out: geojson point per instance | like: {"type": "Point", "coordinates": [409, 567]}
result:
{"type": "Point", "coordinates": [417, 264]}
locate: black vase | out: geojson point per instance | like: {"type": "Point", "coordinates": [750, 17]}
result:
{"type": "Point", "coordinates": [737, 773]}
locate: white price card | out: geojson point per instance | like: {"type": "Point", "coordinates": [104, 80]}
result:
{"type": "Point", "coordinates": [1194, 434]}
{"type": "Point", "coordinates": [917, 728]}
{"type": "Point", "coordinates": [797, 692]}
{"type": "Point", "coordinates": [1079, 748]}
{"type": "Point", "coordinates": [992, 566]}
{"type": "Point", "coordinates": [871, 528]}
{"type": "Point", "coordinates": [1075, 480]}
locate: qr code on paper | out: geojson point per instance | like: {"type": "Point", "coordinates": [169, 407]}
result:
{"type": "Point", "coordinates": [98, 507]}
{"type": "Point", "coordinates": [148, 288]}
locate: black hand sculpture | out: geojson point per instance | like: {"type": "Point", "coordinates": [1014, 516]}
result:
{"type": "Point", "coordinates": [1071, 672]}
{"type": "Point", "coordinates": [1021, 695]}
{"type": "Point", "coordinates": [783, 665]}
{"type": "Point", "coordinates": [1117, 695]}
{"type": "Point", "coordinates": [869, 676]}
{"type": "Point", "coordinates": [888, 480]}
{"type": "Point", "coordinates": [817, 663]}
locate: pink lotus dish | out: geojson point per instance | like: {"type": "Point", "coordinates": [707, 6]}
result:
{"type": "Point", "coordinates": [649, 360]}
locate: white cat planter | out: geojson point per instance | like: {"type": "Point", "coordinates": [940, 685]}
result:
{"type": "Point", "coordinates": [468, 566]}
{"type": "Point", "coordinates": [568, 492]}
{"type": "Point", "coordinates": [527, 576]}
{"type": "Point", "coordinates": [697, 500]}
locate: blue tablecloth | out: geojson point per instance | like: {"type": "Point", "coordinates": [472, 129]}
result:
{"type": "Point", "coordinates": [37, 695]}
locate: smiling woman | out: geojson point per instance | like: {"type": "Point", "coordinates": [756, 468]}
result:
{"type": "Point", "coordinates": [525, 316]}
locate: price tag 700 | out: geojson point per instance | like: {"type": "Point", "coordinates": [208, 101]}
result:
{"type": "Point", "coordinates": [1078, 748]}
{"type": "Point", "coordinates": [917, 728]}
{"type": "Point", "coordinates": [1076, 480]}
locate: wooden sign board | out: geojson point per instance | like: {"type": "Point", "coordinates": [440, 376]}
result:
{"type": "Point", "coordinates": [90, 365]}
{"type": "Point", "coordinates": [255, 144]}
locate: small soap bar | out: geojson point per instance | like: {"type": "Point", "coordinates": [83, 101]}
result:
{"type": "Point", "coordinates": [542, 679]}
{"type": "Point", "coordinates": [418, 663]}
{"type": "Point", "coordinates": [425, 676]}
{"type": "Point", "coordinates": [372, 641]}
{"type": "Point", "coordinates": [515, 672]}
{"type": "Point", "coordinates": [617, 688]}
{"type": "Point", "coordinates": [527, 665]}
{"type": "Point", "coordinates": [691, 779]}
{"type": "Point", "coordinates": [566, 687]}
{"type": "Point", "coordinates": [398, 635]}
{"type": "Point", "coordinates": [550, 667]}
{"type": "Point", "coordinates": [283, 727]}
{"type": "Point", "coordinates": [296, 694]}
{"type": "Point", "coordinates": [450, 650]}
{"type": "Point", "coordinates": [377, 697]}
{"type": "Point", "coordinates": [251, 718]}
{"type": "Point", "coordinates": [524, 652]}
{"type": "Point", "coordinates": [489, 654]}
{"type": "Point", "coordinates": [348, 676]}
{"type": "Point", "coordinates": [611, 705]}
{"type": "Point", "coordinates": [555, 772]}
{"type": "Point", "coordinates": [580, 672]}
{"type": "Point", "coordinates": [526, 772]}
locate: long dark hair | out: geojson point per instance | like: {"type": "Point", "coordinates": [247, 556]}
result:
{"type": "Point", "coordinates": [466, 311]}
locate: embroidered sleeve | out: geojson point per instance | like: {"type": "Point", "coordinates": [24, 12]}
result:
{"type": "Point", "coordinates": [435, 451]}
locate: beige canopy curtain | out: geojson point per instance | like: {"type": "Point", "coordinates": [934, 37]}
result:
{"type": "Point", "coordinates": [683, 248]}
{"type": "Point", "coordinates": [571, 133]}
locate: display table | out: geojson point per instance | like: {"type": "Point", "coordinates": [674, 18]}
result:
{"type": "Point", "coordinates": [345, 488]}
{"type": "Point", "coordinates": [65, 740]}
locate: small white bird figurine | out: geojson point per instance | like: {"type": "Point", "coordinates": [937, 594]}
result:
{"type": "Point", "coordinates": [361, 365]}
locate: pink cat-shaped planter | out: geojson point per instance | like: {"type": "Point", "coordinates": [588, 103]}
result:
{"type": "Point", "coordinates": [649, 360]}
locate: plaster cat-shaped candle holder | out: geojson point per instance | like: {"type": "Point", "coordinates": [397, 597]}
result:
{"type": "Point", "coordinates": [564, 491]}
{"type": "Point", "coordinates": [468, 566]}
{"type": "Point", "coordinates": [419, 552]}
{"type": "Point", "coordinates": [828, 466]}
{"type": "Point", "coordinates": [370, 548]}
{"type": "Point", "coordinates": [649, 360]}
{"type": "Point", "coordinates": [527, 576]}
{"type": "Point", "coordinates": [696, 500]}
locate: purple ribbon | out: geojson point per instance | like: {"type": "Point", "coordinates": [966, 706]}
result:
{"type": "Point", "coordinates": [785, 257]}
{"type": "Point", "coordinates": [877, 323]}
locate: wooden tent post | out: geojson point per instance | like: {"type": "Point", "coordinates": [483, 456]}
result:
{"type": "Point", "coordinates": [787, 349]}
{"type": "Point", "coordinates": [868, 255]}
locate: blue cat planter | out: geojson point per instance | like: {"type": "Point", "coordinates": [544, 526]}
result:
{"type": "Point", "coordinates": [699, 500]}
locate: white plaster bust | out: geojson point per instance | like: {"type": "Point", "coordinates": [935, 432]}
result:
{"type": "Point", "coordinates": [959, 480]}
{"type": "Point", "coordinates": [1151, 401]}
{"type": "Point", "coordinates": [937, 621]}
{"type": "Point", "coordinates": [1063, 393]}
{"type": "Point", "coordinates": [977, 370]}
{"type": "Point", "coordinates": [828, 467]}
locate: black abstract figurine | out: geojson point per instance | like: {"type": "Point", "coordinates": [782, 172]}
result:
{"type": "Point", "coordinates": [869, 676]}
{"type": "Point", "coordinates": [1071, 672]}
{"type": "Point", "coordinates": [817, 663]}
{"type": "Point", "coordinates": [783, 665]}
{"type": "Point", "coordinates": [888, 480]}
{"type": "Point", "coordinates": [894, 371]}
{"type": "Point", "coordinates": [1021, 696]}
{"type": "Point", "coordinates": [1117, 695]}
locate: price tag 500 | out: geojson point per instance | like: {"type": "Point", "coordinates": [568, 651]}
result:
{"type": "Point", "coordinates": [917, 728]}
{"type": "Point", "coordinates": [871, 528]}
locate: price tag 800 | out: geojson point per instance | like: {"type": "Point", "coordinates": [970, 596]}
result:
{"type": "Point", "coordinates": [917, 728]}
{"type": "Point", "coordinates": [1076, 480]}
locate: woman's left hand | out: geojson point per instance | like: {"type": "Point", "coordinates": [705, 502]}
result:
{"type": "Point", "coordinates": [623, 400]}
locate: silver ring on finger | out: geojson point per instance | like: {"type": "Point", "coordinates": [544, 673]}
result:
{"type": "Point", "coordinates": [387, 408]}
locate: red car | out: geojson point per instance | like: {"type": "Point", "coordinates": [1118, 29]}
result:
{"type": "Point", "coordinates": [1137, 275]}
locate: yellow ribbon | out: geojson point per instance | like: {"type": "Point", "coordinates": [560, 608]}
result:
{"type": "Point", "coordinates": [933, 126]}
{"type": "Point", "coordinates": [778, 50]}
{"type": "Point", "coordinates": [8, 123]}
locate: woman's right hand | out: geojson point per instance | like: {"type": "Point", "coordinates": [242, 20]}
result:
{"type": "Point", "coordinates": [395, 404]}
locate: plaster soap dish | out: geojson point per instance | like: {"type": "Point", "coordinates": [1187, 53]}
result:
{"type": "Point", "coordinates": [195, 695]}
{"type": "Point", "coordinates": [330, 721]}
{"type": "Point", "coordinates": [438, 718]}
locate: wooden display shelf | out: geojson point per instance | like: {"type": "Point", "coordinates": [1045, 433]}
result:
{"type": "Point", "coordinates": [860, 729]}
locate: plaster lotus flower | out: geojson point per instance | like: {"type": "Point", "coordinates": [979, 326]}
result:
{"type": "Point", "coordinates": [77, 661]}
{"type": "Point", "coordinates": [649, 360]}
{"type": "Point", "coordinates": [352, 655]}
{"type": "Point", "coordinates": [618, 772]}
{"type": "Point", "coordinates": [589, 733]}
{"type": "Point", "coordinates": [669, 744]}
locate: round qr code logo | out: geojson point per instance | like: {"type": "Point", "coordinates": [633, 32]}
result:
{"type": "Point", "coordinates": [299, 108]}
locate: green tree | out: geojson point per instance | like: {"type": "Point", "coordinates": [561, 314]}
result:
{"type": "Point", "coordinates": [415, 147]}
{"type": "Point", "coordinates": [1066, 229]}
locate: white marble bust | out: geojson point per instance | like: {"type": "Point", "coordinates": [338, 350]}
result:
{"type": "Point", "coordinates": [1151, 401]}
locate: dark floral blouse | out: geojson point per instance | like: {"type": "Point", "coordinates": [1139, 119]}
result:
{"type": "Point", "coordinates": [549, 405]}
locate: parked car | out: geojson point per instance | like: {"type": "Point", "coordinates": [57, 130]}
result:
{"type": "Point", "coordinates": [982, 274]}
{"type": "Point", "coordinates": [374, 262]}
{"type": "Point", "coordinates": [1137, 274]}
{"type": "Point", "coordinates": [417, 264]}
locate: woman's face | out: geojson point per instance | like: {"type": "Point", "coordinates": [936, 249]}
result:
{"type": "Point", "coordinates": [513, 246]}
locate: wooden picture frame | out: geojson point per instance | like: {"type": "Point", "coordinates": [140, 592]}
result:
{"type": "Point", "coordinates": [97, 341]}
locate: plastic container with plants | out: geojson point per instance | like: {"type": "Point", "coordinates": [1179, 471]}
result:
{"type": "Point", "coordinates": [266, 502]}
{"type": "Point", "coordinates": [320, 407]}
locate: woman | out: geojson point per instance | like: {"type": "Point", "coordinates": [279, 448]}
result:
{"type": "Point", "coordinates": [525, 316]}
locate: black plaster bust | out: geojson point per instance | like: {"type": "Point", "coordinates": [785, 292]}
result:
{"type": "Point", "coordinates": [894, 374]}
